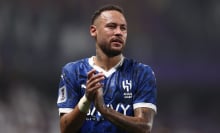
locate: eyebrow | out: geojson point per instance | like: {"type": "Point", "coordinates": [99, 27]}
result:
{"type": "Point", "coordinates": [116, 24]}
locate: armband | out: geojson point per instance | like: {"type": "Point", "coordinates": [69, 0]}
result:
{"type": "Point", "coordinates": [84, 104]}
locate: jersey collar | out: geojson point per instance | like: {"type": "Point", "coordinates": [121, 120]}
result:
{"type": "Point", "coordinates": [99, 69]}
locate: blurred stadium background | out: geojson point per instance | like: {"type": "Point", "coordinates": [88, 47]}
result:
{"type": "Point", "coordinates": [180, 39]}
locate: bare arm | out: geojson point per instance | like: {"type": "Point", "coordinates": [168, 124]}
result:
{"type": "Point", "coordinates": [141, 122]}
{"type": "Point", "coordinates": [71, 122]}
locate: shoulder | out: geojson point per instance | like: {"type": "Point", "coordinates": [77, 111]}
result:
{"type": "Point", "coordinates": [136, 65]}
{"type": "Point", "coordinates": [138, 70]}
{"type": "Point", "coordinates": [70, 66]}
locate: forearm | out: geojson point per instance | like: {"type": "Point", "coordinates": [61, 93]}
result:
{"type": "Point", "coordinates": [71, 122]}
{"type": "Point", "coordinates": [129, 123]}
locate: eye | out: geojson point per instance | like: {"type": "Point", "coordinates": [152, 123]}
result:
{"type": "Point", "coordinates": [123, 28]}
{"type": "Point", "coordinates": [111, 26]}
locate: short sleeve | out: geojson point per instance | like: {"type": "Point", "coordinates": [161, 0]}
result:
{"type": "Point", "coordinates": [68, 95]}
{"type": "Point", "coordinates": [146, 91]}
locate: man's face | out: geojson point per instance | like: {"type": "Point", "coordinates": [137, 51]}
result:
{"type": "Point", "coordinates": [110, 31]}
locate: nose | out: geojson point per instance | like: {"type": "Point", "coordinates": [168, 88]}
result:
{"type": "Point", "coordinates": [118, 31]}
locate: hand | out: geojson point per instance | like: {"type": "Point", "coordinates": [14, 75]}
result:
{"type": "Point", "coordinates": [93, 84]}
{"type": "Point", "coordinates": [99, 101]}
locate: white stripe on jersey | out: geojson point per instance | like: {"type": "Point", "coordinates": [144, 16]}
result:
{"type": "Point", "coordinates": [147, 105]}
{"type": "Point", "coordinates": [65, 110]}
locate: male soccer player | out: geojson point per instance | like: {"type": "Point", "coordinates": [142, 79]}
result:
{"type": "Point", "coordinates": [107, 93]}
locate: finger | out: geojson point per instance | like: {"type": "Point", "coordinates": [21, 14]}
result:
{"type": "Point", "coordinates": [96, 76]}
{"type": "Point", "coordinates": [91, 73]}
{"type": "Point", "coordinates": [90, 92]}
{"type": "Point", "coordinates": [94, 85]}
{"type": "Point", "coordinates": [95, 81]}
{"type": "Point", "coordinates": [94, 89]}
{"type": "Point", "coordinates": [92, 77]}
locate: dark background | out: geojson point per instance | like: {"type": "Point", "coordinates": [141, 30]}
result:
{"type": "Point", "coordinates": [179, 39]}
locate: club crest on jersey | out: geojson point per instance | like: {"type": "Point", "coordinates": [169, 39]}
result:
{"type": "Point", "coordinates": [127, 86]}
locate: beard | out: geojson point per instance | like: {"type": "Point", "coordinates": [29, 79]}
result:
{"type": "Point", "coordinates": [110, 52]}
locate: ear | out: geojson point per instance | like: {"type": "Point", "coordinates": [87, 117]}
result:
{"type": "Point", "coordinates": [93, 30]}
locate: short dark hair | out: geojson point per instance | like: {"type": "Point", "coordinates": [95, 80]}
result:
{"type": "Point", "coordinates": [106, 8]}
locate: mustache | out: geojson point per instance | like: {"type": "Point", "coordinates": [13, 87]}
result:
{"type": "Point", "coordinates": [117, 39]}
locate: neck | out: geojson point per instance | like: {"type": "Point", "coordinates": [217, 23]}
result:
{"type": "Point", "coordinates": [106, 62]}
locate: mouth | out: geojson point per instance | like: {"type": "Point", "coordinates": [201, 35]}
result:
{"type": "Point", "coordinates": [117, 40]}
